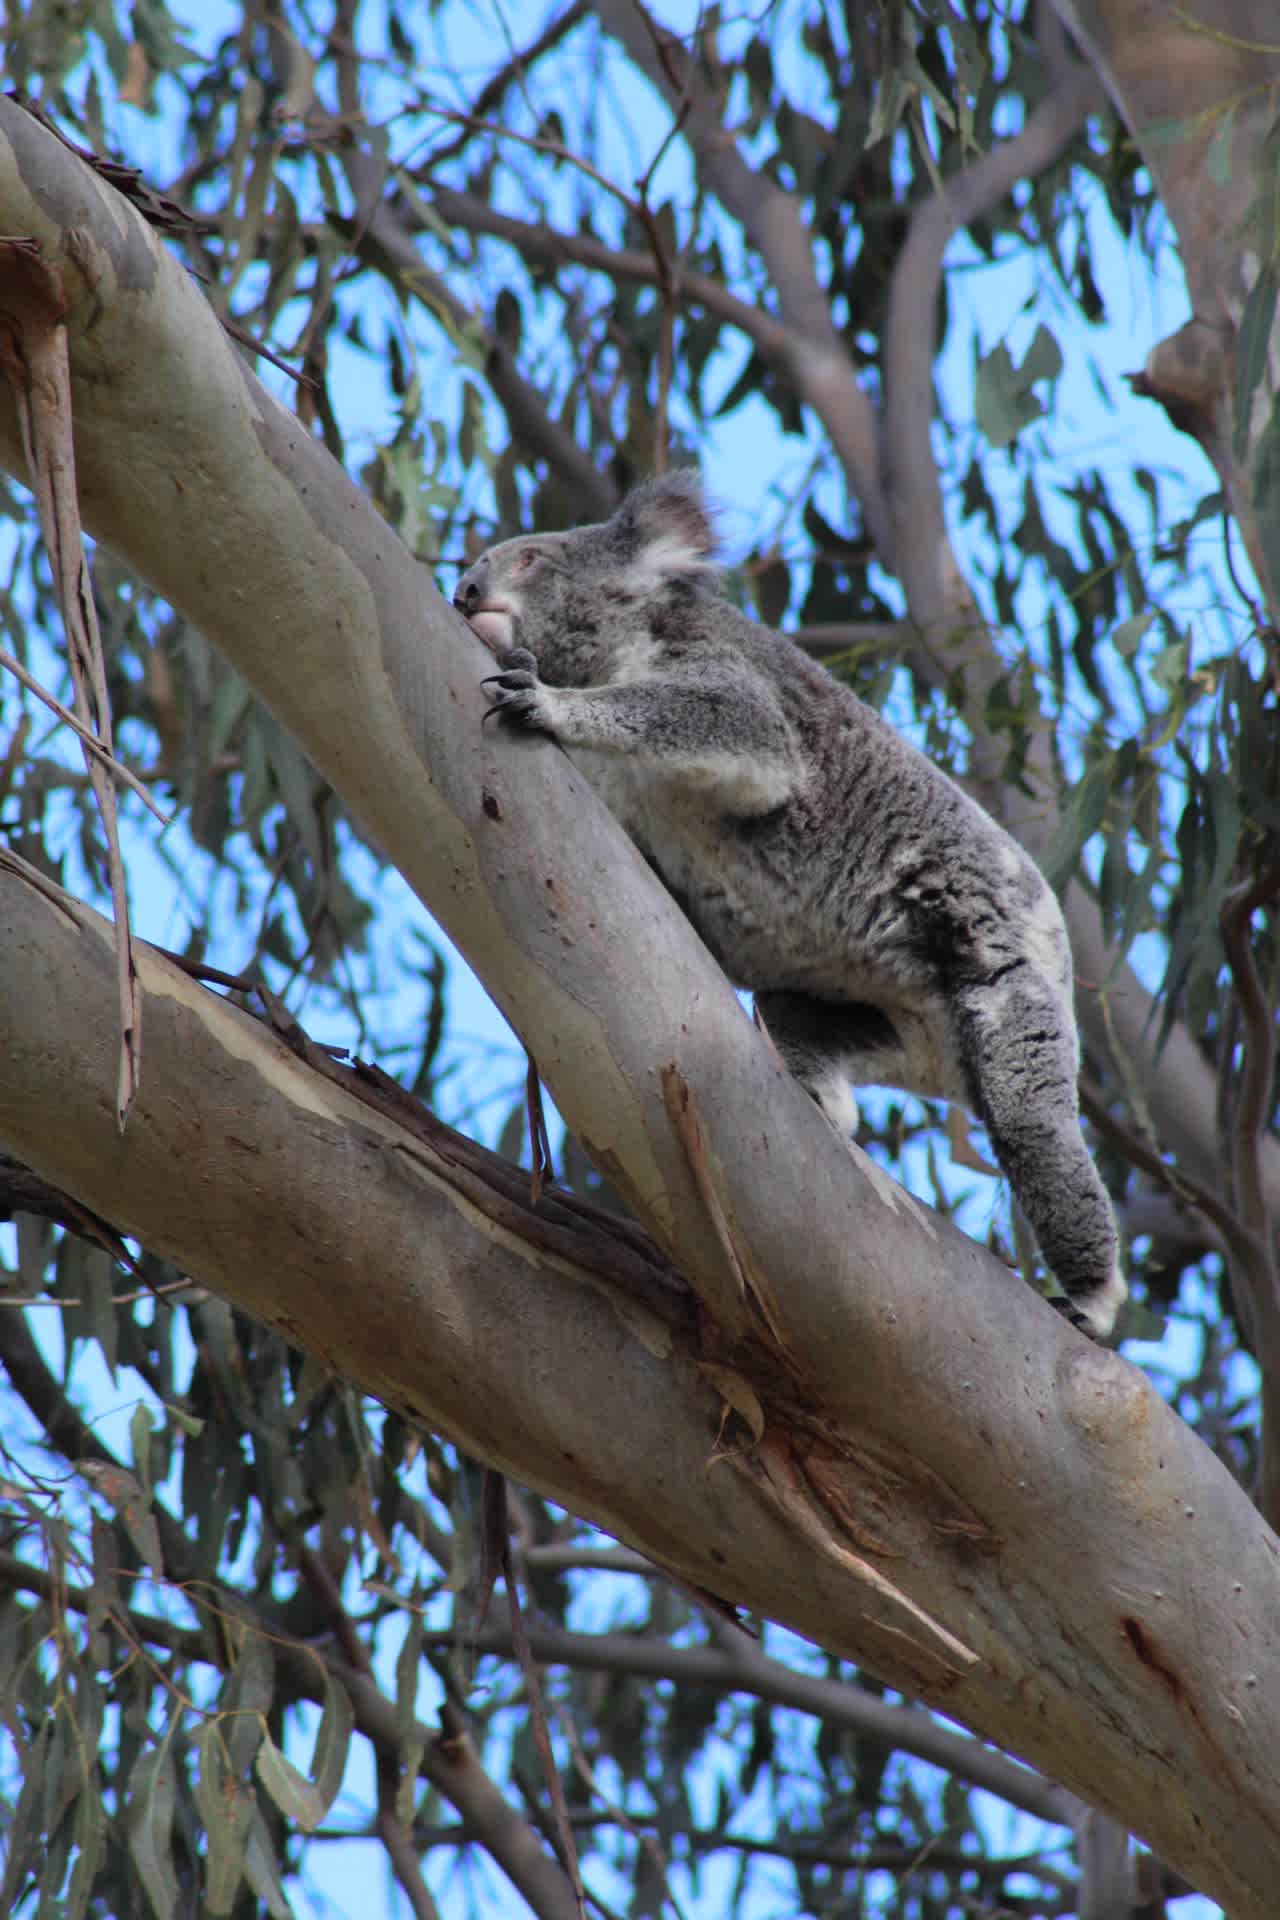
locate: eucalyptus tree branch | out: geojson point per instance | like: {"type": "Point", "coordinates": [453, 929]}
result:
{"type": "Point", "coordinates": [550, 246]}
{"type": "Point", "coordinates": [750, 1671]}
{"type": "Point", "coordinates": [883, 1487]}
{"type": "Point", "coordinates": [513, 73]}
{"type": "Point", "coordinates": [1233, 1231]}
{"type": "Point", "coordinates": [380, 235]}
{"type": "Point", "coordinates": [397, 1837]}
{"type": "Point", "coordinates": [818, 361]}
{"type": "Point", "coordinates": [825, 639]}
{"type": "Point", "coordinates": [922, 543]}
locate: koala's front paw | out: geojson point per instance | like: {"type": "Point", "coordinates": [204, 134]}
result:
{"type": "Point", "coordinates": [517, 696]}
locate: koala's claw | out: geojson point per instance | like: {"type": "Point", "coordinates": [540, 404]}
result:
{"type": "Point", "coordinates": [516, 699]}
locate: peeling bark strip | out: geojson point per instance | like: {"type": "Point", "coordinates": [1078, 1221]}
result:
{"type": "Point", "coordinates": [33, 355]}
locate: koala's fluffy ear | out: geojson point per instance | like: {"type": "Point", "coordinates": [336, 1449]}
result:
{"type": "Point", "coordinates": [666, 530]}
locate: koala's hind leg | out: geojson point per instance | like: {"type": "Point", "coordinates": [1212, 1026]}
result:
{"type": "Point", "coordinates": [832, 1045]}
{"type": "Point", "coordinates": [1016, 1039]}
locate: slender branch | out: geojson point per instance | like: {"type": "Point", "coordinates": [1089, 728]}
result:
{"type": "Point", "coordinates": [381, 236]}
{"type": "Point", "coordinates": [1182, 1186]}
{"type": "Point", "coordinates": [549, 246]}
{"type": "Point", "coordinates": [922, 545]}
{"type": "Point", "coordinates": [398, 1838]}
{"type": "Point", "coordinates": [752, 1672]}
{"type": "Point", "coordinates": [818, 360]}
{"type": "Point", "coordinates": [826, 639]}
{"type": "Point", "coordinates": [512, 73]}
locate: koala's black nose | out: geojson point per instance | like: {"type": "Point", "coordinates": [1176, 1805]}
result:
{"type": "Point", "coordinates": [466, 594]}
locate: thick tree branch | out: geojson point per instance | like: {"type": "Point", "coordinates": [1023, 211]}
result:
{"type": "Point", "coordinates": [918, 1403]}
{"type": "Point", "coordinates": [278, 1155]}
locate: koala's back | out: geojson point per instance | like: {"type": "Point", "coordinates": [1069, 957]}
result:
{"type": "Point", "coordinates": [876, 878]}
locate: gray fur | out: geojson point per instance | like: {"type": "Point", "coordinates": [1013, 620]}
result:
{"type": "Point", "coordinates": [892, 933]}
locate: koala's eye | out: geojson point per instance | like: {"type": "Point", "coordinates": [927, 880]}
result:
{"type": "Point", "coordinates": [523, 562]}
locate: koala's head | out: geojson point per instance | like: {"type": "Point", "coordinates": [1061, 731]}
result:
{"type": "Point", "coordinates": [566, 596]}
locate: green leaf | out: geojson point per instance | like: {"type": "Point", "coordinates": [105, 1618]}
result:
{"type": "Point", "coordinates": [1079, 822]}
{"type": "Point", "coordinates": [1043, 359]}
{"type": "Point", "coordinates": [140, 1445]}
{"type": "Point", "coordinates": [246, 1698]}
{"type": "Point", "coordinates": [1252, 348]}
{"type": "Point", "coordinates": [413, 1735]}
{"type": "Point", "coordinates": [133, 1504]}
{"type": "Point", "coordinates": [22, 1835]}
{"type": "Point", "coordinates": [1217, 160]}
{"type": "Point", "coordinates": [291, 1790]}
{"type": "Point", "coordinates": [148, 1814]}
{"type": "Point", "coordinates": [262, 1870]}
{"type": "Point", "coordinates": [1003, 403]}
{"type": "Point", "coordinates": [89, 1840]}
{"type": "Point", "coordinates": [1169, 668]}
{"type": "Point", "coordinates": [225, 1804]}
{"type": "Point", "coordinates": [302, 1800]}
{"type": "Point", "coordinates": [1127, 637]}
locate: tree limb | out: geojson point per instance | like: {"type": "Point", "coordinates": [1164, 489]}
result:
{"type": "Point", "coordinates": [903, 1729]}
{"type": "Point", "coordinates": [818, 362]}
{"type": "Point", "coordinates": [920, 1404]}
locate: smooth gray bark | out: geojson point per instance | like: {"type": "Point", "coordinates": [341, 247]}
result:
{"type": "Point", "coordinates": [943, 1480]}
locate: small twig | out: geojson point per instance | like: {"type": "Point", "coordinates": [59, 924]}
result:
{"type": "Point", "coordinates": [199, 970]}
{"type": "Point", "coordinates": [647, 1842]}
{"type": "Point", "coordinates": [1184, 1187]}
{"type": "Point", "coordinates": [89, 739]}
{"type": "Point", "coordinates": [495, 1493]}
{"type": "Point", "coordinates": [539, 143]}
{"type": "Point", "coordinates": [494, 90]}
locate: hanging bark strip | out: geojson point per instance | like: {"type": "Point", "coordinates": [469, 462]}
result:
{"type": "Point", "coordinates": [33, 354]}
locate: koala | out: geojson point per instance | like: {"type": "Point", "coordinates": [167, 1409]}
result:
{"type": "Point", "coordinates": [891, 932]}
